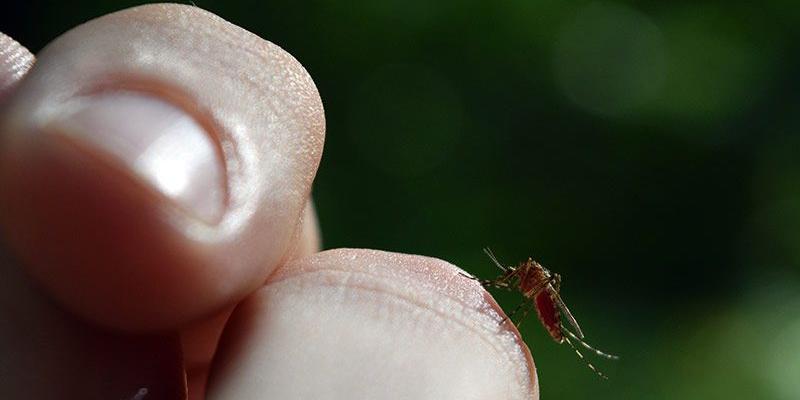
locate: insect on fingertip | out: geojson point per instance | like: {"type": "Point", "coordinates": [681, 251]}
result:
{"type": "Point", "coordinates": [541, 290]}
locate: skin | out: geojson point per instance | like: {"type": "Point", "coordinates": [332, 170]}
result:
{"type": "Point", "coordinates": [112, 289]}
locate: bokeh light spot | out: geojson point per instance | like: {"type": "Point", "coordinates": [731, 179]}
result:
{"type": "Point", "coordinates": [714, 70]}
{"type": "Point", "coordinates": [776, 186]}
{"type": "Point", "coordinates": [782, 365]}
{"type": "Point", "coordinates": [609, 59]}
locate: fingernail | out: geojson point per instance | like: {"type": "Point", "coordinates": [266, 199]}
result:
{"type": "Point", "coordinates": [159, 142]}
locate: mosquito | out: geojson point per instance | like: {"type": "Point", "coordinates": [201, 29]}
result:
{"type": "Point", "coordinates": [541, 288]}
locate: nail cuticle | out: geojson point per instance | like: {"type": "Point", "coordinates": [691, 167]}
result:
{"type": "Point", "coordinates": [155, 140]}
{"type": "Point", "coordinates": [225, 145]}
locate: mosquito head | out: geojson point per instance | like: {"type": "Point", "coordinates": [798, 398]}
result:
{"type": "Point", "coordinates": [542, 268]}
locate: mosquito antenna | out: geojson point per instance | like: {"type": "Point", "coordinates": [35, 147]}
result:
{"type": "Point", "coordinates": [567, 313]}
{"type": "Point", "coordinates": [586, 345]}
{"type": "Point", "coordinates": [588, 364]}
{"type": "Point", "coordinates": [489, 253]}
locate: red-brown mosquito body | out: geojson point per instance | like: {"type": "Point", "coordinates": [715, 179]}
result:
{"type": "Point", "coordinates": [540, 289]}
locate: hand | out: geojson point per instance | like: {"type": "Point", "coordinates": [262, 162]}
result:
{"type": "Point", "coordinates": [155, 171]}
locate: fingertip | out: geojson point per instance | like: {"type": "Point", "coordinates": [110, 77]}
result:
{"type": "Point", "coordinates": [15, 61]}
{"type": "Point", "coordinates": [346, 324]}
{"type": "Point", "coordinates": [146, 184]}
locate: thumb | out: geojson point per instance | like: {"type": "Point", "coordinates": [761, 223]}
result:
{"type": "Point", "coordinates": [155, 164]}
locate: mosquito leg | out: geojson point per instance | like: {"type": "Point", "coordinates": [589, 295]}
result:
{"type": "Point", "coordinates": [521, 319]}
{"type": "Point", "coordinates": [483, 282]}
{"type": "Point", "coordinates": [519, 307]}
{"type": "Point", "coordinates": [592, 367]}
{"type": "Point", "coordinates": [468, 276]}
{"type": "Point", "coordinates": [496, 283]}
{"type": "Point", "coordinates": [511, 315]}
{"type": "Point", "coordinates": [588, 347]}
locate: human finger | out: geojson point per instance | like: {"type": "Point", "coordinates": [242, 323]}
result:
{"type": "Point", "coordinates": [15, 61]}
{"type": "Point", "coordinates": [49, 354]}
{"type": "Point", "coordinates": [199, 340]}
{"type": "Point", "coordinates": [366, 324]}
{"type": "Point", "coordinates": [155, 164]}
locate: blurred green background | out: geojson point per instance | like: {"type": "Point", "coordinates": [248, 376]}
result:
{"type": "Point", "coordinates": [647, 151]}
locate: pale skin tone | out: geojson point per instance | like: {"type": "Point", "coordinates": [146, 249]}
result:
{"type": "Point", "coordinates": [155, 176]}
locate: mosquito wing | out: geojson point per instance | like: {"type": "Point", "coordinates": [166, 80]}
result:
{"type": "Point", "coordinates": [566, 312]}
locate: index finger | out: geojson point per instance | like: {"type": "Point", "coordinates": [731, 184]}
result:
{"type": "Point", "coordinates": [155, 164]}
